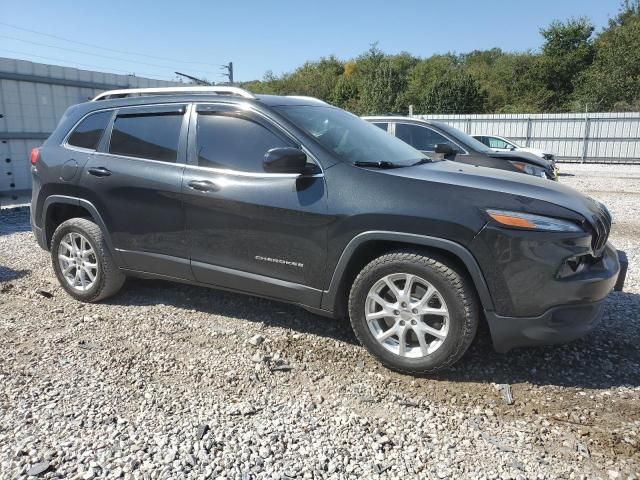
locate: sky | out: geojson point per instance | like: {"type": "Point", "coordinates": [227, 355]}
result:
{"type": "Point", "coordinates": [157, 38]}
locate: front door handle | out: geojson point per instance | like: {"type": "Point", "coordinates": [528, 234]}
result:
{"type": "Point", "coordinates": [99, 171]}
{"type": "Point", "coordinates": [203, 185]}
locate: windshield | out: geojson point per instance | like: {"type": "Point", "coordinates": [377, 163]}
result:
{"type": "Point", "coordinates": [462, 137]}
{"type": "Point", "coordinates": [349, 137]}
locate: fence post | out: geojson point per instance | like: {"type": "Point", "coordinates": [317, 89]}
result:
{"type": "Point", "coordinates": [528, 139]}
{"type": "Point", "coordinates": [585, 142]}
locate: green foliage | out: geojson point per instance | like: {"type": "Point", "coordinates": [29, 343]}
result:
{"type": "Point", "coordinates": [612, 81]}
{"type": "Point", "coordinates": [382, 81]}
{"type": "Point", "coordinates": [573, 68]}
{"type": "Point", "coordinates": [455, 92]}
{"type": "Point", "coordinates": [568, 50]}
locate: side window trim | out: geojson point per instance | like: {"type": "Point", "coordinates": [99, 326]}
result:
{"type": "Point", "coordinates": [464, 151]}
{"type": "Point", "coordinates": [181, 159]}
{"type": "Point", "coordinates": [386, 124]}
{"type": "Point", "coordinates": [264, 120]}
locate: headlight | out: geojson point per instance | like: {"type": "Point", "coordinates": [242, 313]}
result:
{"type": "Point", "coordinates": [530, 169]}
{"type": "Point", "coordinates": [529, 221]}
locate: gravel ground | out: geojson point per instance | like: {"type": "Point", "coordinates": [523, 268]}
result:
{"type": "Point", "coordinates": [174, 381]}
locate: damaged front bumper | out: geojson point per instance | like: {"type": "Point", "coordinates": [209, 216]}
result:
{"type": "Point", "coordinates": [564, 323]}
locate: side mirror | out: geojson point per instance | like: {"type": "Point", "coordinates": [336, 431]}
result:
{"type": "Point", "coordinates": [285, 160]}
{"type": "Point", "coordinates": [445, 149]}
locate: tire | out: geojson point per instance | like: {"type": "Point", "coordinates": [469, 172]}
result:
{"type": "Point", "coordinates": [108, 279]}
{"type": "Point", "coordinates": [454, 294]}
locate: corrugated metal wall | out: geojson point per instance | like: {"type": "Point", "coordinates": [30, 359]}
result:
{"type": "Point", "coordinates": [592, 137]}
{"type": "Point", "coordinates": [33, 97]}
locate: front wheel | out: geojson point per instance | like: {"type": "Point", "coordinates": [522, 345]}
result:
{"type": "Point", "coordinates": [416, 313]}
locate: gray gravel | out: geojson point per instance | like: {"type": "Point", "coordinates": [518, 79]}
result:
{"type": "Point", "coordinates": [173, 381]}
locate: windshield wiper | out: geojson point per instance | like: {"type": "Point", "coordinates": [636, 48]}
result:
{"type": "Point", "coordinates": [381, 164]}
{"type": "Point", "coordinates": [422, 161]}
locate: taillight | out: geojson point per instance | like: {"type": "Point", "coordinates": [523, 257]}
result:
{"type": "Point", "coordinates": [35, 156]}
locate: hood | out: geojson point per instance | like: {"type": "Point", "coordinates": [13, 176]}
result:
{"type": "Point", "coordinates": [524, 156]}
{"type": "Point", "coordinates": [524, 187]}
{"type": "Point", "coordinates": [535, 151]}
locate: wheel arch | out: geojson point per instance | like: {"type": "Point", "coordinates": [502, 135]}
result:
{"type": "Point", "coordinates": [59, 208]}
{"type": "Point", "coordinates": [368, 245]}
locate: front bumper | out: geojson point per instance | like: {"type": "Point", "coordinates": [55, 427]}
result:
{"type": "Point", "coordinates": [559, 324]}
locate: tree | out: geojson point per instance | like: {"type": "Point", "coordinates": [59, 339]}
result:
{"type": "Point", "coordinates": [612, 82]}
{"type": "Point", "coordinates": [381, 81]}
{"type": "Point", "coordinates": [456, 92]}
{"type": "Point", "coordinates": [572, 68]}
{"type": "Point", "coordinates": [568, 50]}
{"type": "Point", "coordinates": [425, 74]}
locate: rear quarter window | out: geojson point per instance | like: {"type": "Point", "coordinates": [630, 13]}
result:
{"type": "Point", "coordinates": [89, 131]}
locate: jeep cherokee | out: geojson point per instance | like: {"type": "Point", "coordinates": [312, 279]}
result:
{"type": "Point", "coordinates": [292, 199]}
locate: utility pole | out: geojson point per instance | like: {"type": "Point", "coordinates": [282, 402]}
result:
{"type": "Point", "coordinates": [229, 74]}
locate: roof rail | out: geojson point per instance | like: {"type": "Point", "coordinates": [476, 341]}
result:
{"type": "Point", "coordinates": [130, 92]}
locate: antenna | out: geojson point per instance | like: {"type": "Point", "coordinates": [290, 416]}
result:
{"type": "Point", "coordinates": [198, 81]}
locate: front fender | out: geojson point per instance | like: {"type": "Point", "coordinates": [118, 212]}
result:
{"type": "Point", "coordinates": [330, 295]}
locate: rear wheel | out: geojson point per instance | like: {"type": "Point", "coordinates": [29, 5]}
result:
{"type": "Point", "coordinates": [82, 261]}
{"type": "Point", "coordinates": [417, 314]}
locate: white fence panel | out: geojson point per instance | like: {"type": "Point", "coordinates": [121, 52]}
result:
{"type": "Point", "coordinates": [572, 137]}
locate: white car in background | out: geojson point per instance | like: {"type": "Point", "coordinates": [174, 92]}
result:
{"type": "Point", "coordinates": [502, 144]}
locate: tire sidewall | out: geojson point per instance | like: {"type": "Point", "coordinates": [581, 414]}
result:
{"type": "Point", "coordinates": [455, 305]}
{"type": "Point", "coordinates": [59, 234]}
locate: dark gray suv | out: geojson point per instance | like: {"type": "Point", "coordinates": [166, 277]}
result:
{"type": "Point", "coordinates": [431, 137]}
{"type": "Point", "coordinates": [292, 199]}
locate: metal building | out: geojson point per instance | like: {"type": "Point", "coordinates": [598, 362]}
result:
{"type": "Point", "coordinates": [33, 97]}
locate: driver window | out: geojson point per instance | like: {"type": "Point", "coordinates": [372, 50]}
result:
{"type": "Point", "coordinates": [498, 143]}
{"type": "Point", "coordinates": [232, 142]}
{"type": "Point", "coordinates": [422, 138]}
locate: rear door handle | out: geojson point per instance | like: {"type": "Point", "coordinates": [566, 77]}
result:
{"type": "Point", "coordinates": [99, 171]}
{"type": "Point", "coordinates": [203, 185]}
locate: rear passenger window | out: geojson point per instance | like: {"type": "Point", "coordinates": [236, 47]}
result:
{"type": "Point", "coordinates": [383, 126]}
{"type": "Point", "coordinates": [89, 131]}
{"type": "Point", "coordinates": [153, 136]}
{"type": "Point", "coordinates": [233, 142]}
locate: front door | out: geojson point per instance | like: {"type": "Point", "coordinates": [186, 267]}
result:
{"type": "Point", "coordinates": [134, 180]}
{"type": "Point", "coordinates": [248, 230]}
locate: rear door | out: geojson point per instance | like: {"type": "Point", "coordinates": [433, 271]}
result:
{"type": "Point", "coordinates": [248, 230]}
{"type": "Point", "coordinates": [134, 180]}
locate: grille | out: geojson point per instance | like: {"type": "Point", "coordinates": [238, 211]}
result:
{"type": "Point", "coordinates": [602, 227]}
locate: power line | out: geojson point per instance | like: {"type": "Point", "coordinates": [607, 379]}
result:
{"type": "Point", "coordinates": [100, 68]}
{"type": "Point", "coordinates": [88, 53]}
{"type": "Point", "coordinates": [175, 60]}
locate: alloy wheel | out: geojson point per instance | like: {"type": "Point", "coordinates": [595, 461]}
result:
{"type": "Point", "coordinates": [78, 261]}
{"type": "Point", "coordinates": [407, 315]}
